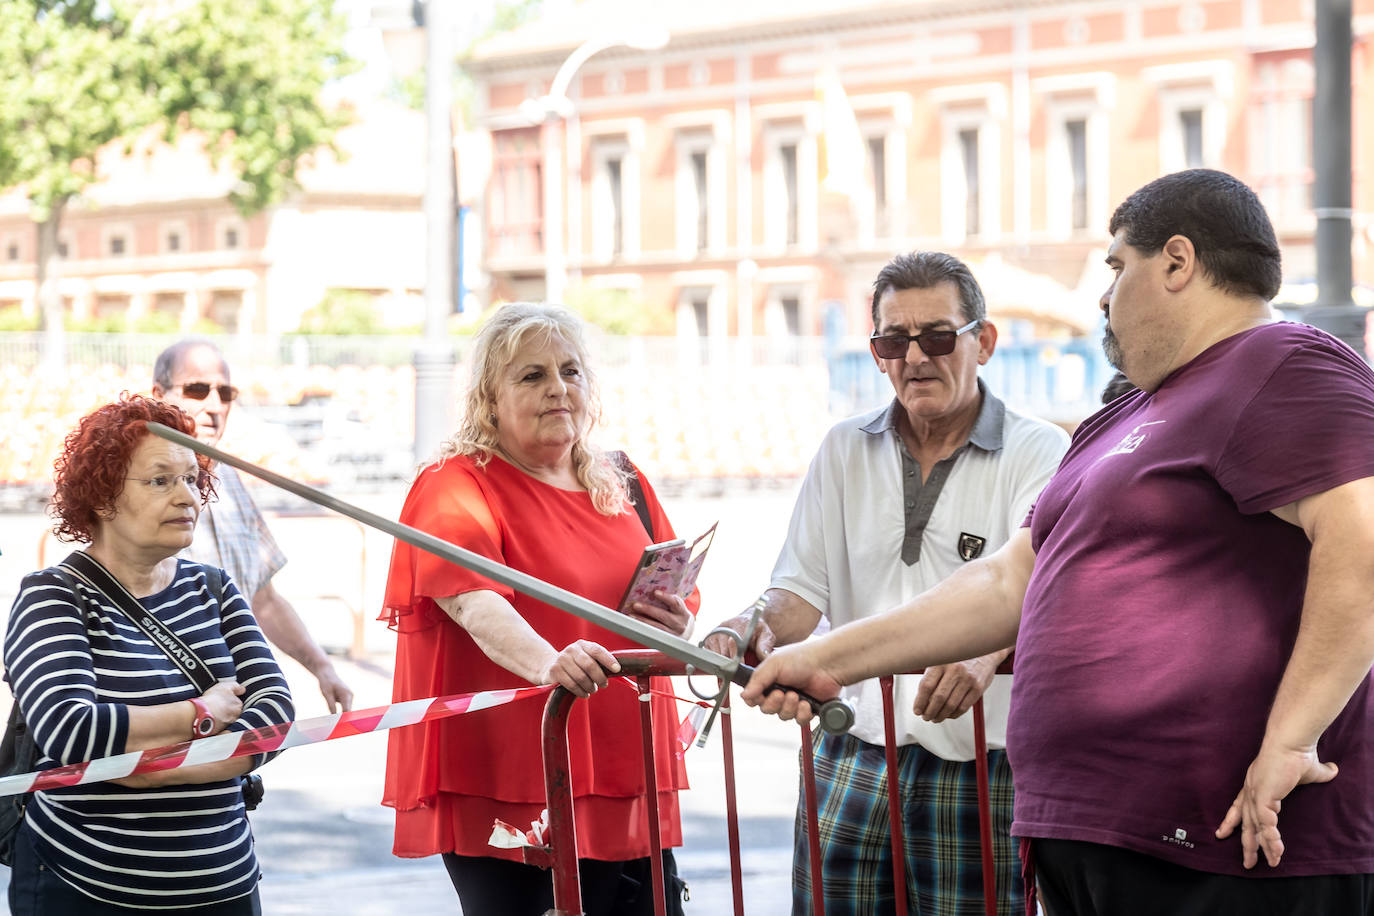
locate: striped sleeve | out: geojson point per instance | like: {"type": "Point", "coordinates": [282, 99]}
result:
{"type": "Point", "coordinates": [48, 661]}
{"type": "Point", "coordinates": [78, 664]}
{"type": "Point", "coordinates": [266, 698]}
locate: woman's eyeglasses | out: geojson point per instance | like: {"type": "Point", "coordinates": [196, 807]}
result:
{"type": "Point", "coordinates": [163, 484]}
{"type": "Point", "coordinates": [932, 343]}
{"type": "Point", "coordinates": [199, 391]}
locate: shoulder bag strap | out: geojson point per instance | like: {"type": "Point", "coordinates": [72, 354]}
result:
{"type": "Point", "coordinates": [636, 491]}
{"type": "Point", "coordinates": [89, 570]}
{"type": "Point", "coordinates": [216, 583]}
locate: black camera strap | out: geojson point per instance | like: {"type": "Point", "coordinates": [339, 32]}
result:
{"type": "Point", "coordinates": [89, 570]}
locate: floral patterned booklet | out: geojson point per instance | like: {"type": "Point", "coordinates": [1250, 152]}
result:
{"type": "Point", "coordinates": [671, 566]}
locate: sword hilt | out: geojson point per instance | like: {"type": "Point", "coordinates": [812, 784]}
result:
{"type": "Point", "coordinates": [835, 716]}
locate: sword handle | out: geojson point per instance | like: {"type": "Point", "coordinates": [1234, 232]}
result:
{"type": "Point", "coordinates": [835, 716]}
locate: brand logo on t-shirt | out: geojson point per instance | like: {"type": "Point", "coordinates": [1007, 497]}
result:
{"type": "Point", "coordinates": [970, 545]}
{"type": "Point", "coordinates": [1180, 838]}
{"type": "Point", "coordinates": [1132, 440]}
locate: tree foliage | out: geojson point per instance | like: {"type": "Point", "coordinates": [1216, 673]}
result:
{"type": "Point", "coordinates": [70, 83]}
{"type": "Point", "coordinates": [79, 75]}
{"type": "Point", "coordinates": [248, 75]}
{"type": "Point", "coordinates": [506, 16]}
{"type": "Point", "coordinates": [76, 75]}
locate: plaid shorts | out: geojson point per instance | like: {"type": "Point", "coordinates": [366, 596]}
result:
{"type": "Point", "coordinates": [939, 798]}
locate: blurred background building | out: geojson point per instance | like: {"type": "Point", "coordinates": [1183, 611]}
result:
{"type": "Point", "coordinates": [158, 237]}
{"type": "Point", "coordinates": [714, 184]}
{"type": "Point", "coordinates": [775, 153]}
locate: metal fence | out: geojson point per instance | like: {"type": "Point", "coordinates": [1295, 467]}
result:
{"type": "Point", "coordinates": [1058, 379]}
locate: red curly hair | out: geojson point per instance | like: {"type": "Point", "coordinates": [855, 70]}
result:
{"type": "Point", "coordinates": [89, 473]}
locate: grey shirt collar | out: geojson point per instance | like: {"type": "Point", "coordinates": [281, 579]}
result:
{"type": "Point", "coordinates": [987, 429]}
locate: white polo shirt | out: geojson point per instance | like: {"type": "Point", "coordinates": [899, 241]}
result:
{"type": "Point", "coordinates": [866, 535]}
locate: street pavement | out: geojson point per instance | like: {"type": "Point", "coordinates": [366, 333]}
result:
{"type": "Point", "coordinates": [323, 837]}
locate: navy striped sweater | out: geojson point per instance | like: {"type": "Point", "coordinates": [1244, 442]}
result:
{"type": "Point", "coordinates": [75, 667]}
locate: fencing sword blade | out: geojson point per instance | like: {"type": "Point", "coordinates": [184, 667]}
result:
{"type": "Point", "coordinates": [703, 659]}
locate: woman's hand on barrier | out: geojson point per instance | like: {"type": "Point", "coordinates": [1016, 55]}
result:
{"type": "Point", "coordinates": [667, 612]}
{"type": "Point", "coordinates": [796, 667]}
{"type": "Point", "coordinates": [224, 703]}
{"type": "Point", "coordinates": [580, 668]}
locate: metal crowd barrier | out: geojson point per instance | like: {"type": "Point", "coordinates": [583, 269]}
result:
{"type": "Point", "coordinates": [560, 851]}
{"type": "Point", "coordinates": [980, 757]}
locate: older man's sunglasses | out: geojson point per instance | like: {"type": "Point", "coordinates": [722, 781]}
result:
{"type": "Point", "coordinates": [932, 343]}
{"type": "Point", "coordinates": [199, 391]}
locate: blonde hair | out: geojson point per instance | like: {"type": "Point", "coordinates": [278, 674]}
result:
{"type": "Point", "coordinates": [502, 335]}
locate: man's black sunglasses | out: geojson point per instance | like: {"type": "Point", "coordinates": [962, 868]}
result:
{"type": "Point", "coordinates": [199, 391]}
{"type": "Point", "coordinates": [932, 343]}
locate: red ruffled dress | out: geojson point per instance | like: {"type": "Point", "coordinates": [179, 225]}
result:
{"type": "Point", "coordinates": [450, 780]}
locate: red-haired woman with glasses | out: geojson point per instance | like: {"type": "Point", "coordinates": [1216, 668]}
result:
{"type": "Point", "coordinates": [90, 683]}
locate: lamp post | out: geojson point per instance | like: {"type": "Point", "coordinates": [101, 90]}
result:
{"type": "Point", "coordinates": [1334, 310]}
{"type": "Point", "coordinates": [434, 357]}
{"type": "Point", "coordinates": [551, 110]}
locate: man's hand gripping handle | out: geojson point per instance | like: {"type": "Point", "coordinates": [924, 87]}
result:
{"type": "Point", "coordinates": [836, 716]}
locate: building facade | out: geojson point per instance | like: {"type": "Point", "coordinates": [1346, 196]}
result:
{"type": "Point", "coordinates": [772, 156]}
{"type": "Point", "coordinates": [158, 235]}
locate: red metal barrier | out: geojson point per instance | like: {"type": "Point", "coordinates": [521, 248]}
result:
{"type": "Point", "coordinates": [894, 797]}
{"type": "Point", "coordinates": [727, 743]}
{"type": "Point", "coordinates": [560, 853]}
{"type": "Point", "coordinates": [899, 889]}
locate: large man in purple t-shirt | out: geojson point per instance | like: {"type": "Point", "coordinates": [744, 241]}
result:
{"type": "Point", "coordinates": [1192, 599]}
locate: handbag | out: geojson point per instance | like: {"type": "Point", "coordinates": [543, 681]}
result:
{"type": "Point", "coordinates": [18, 754]}
{"type": "Point", "coordinates": [90, 571]}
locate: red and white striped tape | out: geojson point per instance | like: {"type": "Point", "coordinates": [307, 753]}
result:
{"type": "Point", "coordinates": [227, 745]}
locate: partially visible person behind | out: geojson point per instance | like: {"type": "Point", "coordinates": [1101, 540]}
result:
{"type": "Point", "coordinates": [894, 502]}
{"type": "Point", "coordinates": [90, 683]}
{"type": "Point", "coordinates": [1192, 598]}
{"type": "Point", "coordinates": [1116, 386]}
{"type": "Point", "coordinates": [521, 483]}
{"type": "Point", "coordinates": [192, 374]}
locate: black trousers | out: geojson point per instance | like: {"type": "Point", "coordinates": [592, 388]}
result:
{"type": "Point", "coordinates": [497, 887]}
{"type": "Point", "coordinates": [1090, 879]}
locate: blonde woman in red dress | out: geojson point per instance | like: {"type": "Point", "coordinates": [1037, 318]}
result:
{"type": "Point", "coordinates": [520, 483]}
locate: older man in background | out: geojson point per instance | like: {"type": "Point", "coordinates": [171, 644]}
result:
{"type": "Point", "coordinates": [232, 534]}
{"type": "Point", "coordinates": [895, 501]}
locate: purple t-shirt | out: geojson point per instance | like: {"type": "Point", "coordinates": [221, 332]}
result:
{"type": "Point", "coordinates": [1165, 602]}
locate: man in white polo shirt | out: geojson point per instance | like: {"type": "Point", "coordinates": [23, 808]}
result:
{"type": "Point", "coordinates": [895, 501]}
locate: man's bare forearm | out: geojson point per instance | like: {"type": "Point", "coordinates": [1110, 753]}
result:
{"type": "Point", "coordinates": [284, 628]}
{"type": "Point", "coordinates": [1334, 649]}
{"type": "Point", "coordinates": [973, 613]}
{"type": "Point", "coordinates": [790, 617]}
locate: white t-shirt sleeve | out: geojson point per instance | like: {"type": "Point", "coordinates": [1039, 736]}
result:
{"type": "Point", "coordinates": [801, 565]}
{"type": "Point", "coordinates": [1038, 450]}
